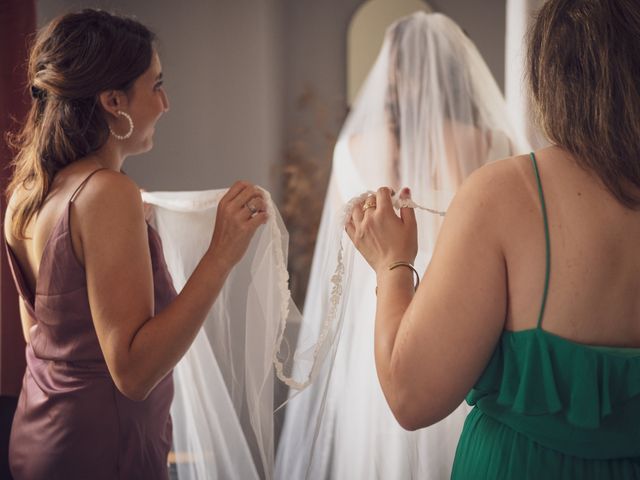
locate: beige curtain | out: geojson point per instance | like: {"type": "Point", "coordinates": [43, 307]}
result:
{"type": "Point", "coordinates": [520, 14]}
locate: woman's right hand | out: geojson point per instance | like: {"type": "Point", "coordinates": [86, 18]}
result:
{"type": "Point", "coordinates": [240, 212]}
{"type": "Point", "coordinates": [379, 234]}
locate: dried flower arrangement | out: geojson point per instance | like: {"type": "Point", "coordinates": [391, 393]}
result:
{"type": "Point", "coordinates": [305, 174]}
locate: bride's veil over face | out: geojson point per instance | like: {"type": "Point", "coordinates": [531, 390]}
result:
{"type": "Point", "coordinates": [427, 116]}
{"type": "Point", "coordinates": [429, 112]}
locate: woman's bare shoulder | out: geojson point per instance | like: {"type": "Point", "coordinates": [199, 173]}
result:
{"type": "Point", "coordinates": [499, 183]}
{"type": "Point", "coordinates": [108, 196]}
{"type": "Point", "coordinates": [113, 189]}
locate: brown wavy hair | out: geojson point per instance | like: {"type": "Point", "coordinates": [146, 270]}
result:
{"type": "Point", "coordinates": [583, 61]}
{"type": "Point", "coordinates": [73, 59]}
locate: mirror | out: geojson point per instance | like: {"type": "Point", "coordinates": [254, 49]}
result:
{"type": "Point", "coordinates": [366, 34]}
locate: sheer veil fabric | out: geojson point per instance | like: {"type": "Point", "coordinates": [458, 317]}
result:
{"type": "Point", "coordinates": [223, 407]}
{"type": "Point", "coordinates": [224, 385]}
{"type": "Point", "coordinates": [427, 116]}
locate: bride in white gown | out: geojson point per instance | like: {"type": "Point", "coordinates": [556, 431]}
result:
{"type": "Point", "coordinates": [428, 115]}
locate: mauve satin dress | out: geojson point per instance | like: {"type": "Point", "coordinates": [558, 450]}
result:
{"type": "Point", "coordinates": [71, 421]}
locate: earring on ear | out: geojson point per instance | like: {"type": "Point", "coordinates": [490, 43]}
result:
{"type": "Point", "coordinates": [128, 134]}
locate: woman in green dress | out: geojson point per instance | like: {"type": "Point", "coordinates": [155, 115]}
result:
{"type": "Point", "coordinates": [530, 304]}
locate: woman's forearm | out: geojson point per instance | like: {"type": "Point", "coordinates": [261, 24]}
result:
{"type": "Point", "coordinates": [162, 340]}
{"type": "Point", "coordinates": [395, 292]}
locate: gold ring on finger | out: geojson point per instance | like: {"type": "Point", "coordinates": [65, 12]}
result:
{"type": "Point", "coordinates": [368, 204]}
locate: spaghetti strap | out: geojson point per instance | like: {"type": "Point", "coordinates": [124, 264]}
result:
{"type": "Point", "coordinates": [547, 241]}
{"type": "Point", "coordinates": [83, 183]}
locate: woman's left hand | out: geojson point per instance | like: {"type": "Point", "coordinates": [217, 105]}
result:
{"type": "Point", "coordinates": [381, 236]}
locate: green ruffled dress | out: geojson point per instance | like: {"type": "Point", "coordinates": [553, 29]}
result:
{"type": "Point", "coordinates": [549, 408]}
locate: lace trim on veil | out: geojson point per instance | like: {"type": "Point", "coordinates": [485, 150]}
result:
{"type": "Point", "coordinates": [335, 295]}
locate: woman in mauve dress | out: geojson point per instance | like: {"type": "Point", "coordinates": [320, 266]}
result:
{"type": "Point", "coordinates": [103, 324]}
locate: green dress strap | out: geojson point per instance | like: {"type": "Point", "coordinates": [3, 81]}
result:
{"type": "Point", "coordinates": [546, 240]}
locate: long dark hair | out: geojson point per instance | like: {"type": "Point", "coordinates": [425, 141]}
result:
{"type": "Point", "coordinates": [583, 63]}
{"type": "Point", "coordinates": [74, 58]}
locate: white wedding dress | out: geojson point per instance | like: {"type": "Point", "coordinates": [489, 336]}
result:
{"type": "Point", "coordinates": [428, 115]}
